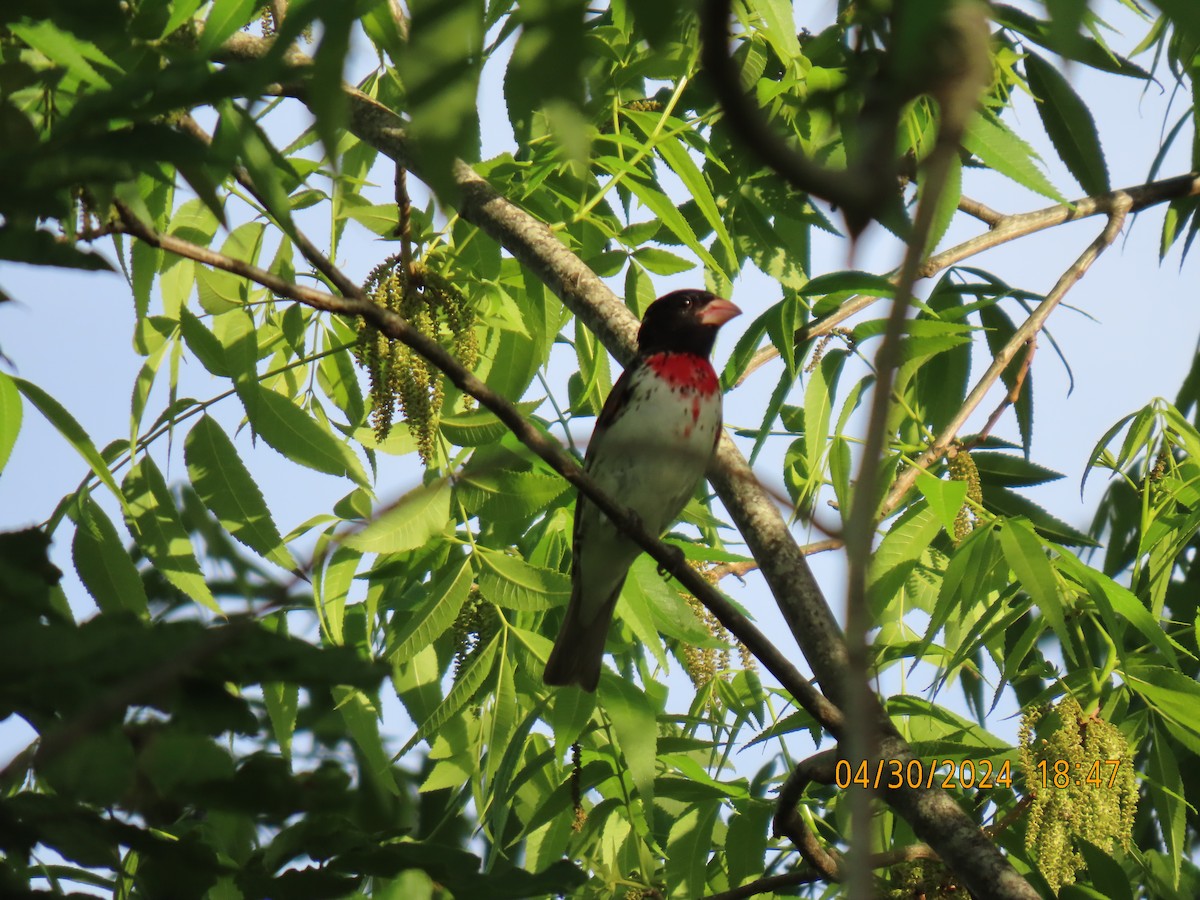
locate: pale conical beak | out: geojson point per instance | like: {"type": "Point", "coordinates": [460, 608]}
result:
{"type": "Point", "coordinates": [718, 312]}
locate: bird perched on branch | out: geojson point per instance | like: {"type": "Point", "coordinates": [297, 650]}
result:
{"type": "Point", "coordinates": [653, 441]}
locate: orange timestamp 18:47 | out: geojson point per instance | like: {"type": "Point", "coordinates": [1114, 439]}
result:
{"type": "Point", "coordinates": [917, 773]}
{"type": "Point", "coordinates": [1063, 773]}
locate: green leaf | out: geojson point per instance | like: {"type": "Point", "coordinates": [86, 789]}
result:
{"type": "Point", "coordinates": [36, 247]}
{"type": "Point", "coordinates": [267, 166]}
{"type": "Point", "coordinates": [1080, 48]}
{"type": "Point", "coordinates": [225, 486]}
{"type": "Point", "coordinates": [181, 11]}
{"type": "Point", "coordinates": [649, 193]}
{"type": "Point", "coordinates": [647, 591]}
{"type": "Point", "coordinates": [1172, 695]}
{"type": "Point", "coordinates": [1115, 599]}
{"type": "Point", "coordinates": [546, 62]}
{"type": "Point", "coordinates": [1069, 123]}
{"type": "Point", "coordinates": [472, 676]}
{"type": "Point", "coordinates": [70, 429]}
{"type": "Point", "coordinates": [689, 843]}
{"type": "Point", "coordinates": [746, 842]}
{"type": "Point", "coordinates": [511, 582]}
{"type": "Point", "coordinates": [10, 417]}
{"type": "Point", "coordinates": [850, 282]}
{"type": "Point", "coordinates": [570, 712]}
{"type": "Point", "coordinates": [325, 95]}
{"type": "Point", "coordinates": [999, 330]}
{"type": "Point", "coordinates": [96, 768]}
{"type": "Point", "coordinates": [408, 523]}
{"type": "Point", "coordinates": [945, 498]}
{"type": "Point", "coordinates": [440, 69]}
{"type": "Point", "coordinates": [65, 49]}
{"type": "Point", "coordinates": [1184, 14]}
{"type": "Point", "coordinates": [331, 588]}
{"type": "Point", "coordinates": [1166, 790]}
{"type": "Point", "coordinates": [780, 250]}
{"type": "Point", "coordinates": [633, 719]}
{"type": "Point", "coordinates": [1001, 149]}
{"type": "Point", "coordinates": [381, 27]}
{"type": "Point", "coordinates": [103, 563]}
{"type": "Point", "coordinates": [818, 407]}
{"type": "Point", "coordinates": [281, 698]}
{"type": "Point", "coordinates": [1004, 502]}
{"type": "Point", "coordinates": [675, 155]}
{"type": "Point", "coordinates": [175, 760]}
{"type": "Point", "coordinates": [947, 203]}
{"type": "Point", "coordinates": [380, 218]}
{"type": "Point", "coordinates": [224, 19]}
{"type": "Point", "coordinates": [1007, 470]}
{"type": "Point", "coordinates": [362, 719]}
{"type": "Point", "coordinates": [479, 426]}
{"type": "Point", "coordinates": [153, 520]}
{"type": "Point", "coordinates": [505, 494]}
{"type": "Point", "coordinates": [1026, 556]}
{"type": "Point", "coordinates": [635, 611]}
{"type": "Point", "coordinates": [297, 435]}
{"type": "Point", "coordinates": [972, 576]}
{"type": "Point", "coordinates": [662, 262]}
{"type": "Point", "coordinates": [430, 621]}
{"type": "Point", "coordinates": [899, 553]}
{"type": "Point", "coordinates": [203, 343]}
{"type": "Point", "coordinates": [940, 384]}
{"type": "Point", "coordinates": [779, 28]}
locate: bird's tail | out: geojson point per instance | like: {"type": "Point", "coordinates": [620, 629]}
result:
{"type": "Point", "coordinates": [578, 652]}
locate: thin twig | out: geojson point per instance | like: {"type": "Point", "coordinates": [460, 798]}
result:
{"type": "Point", "coordinates": [1008, 228]}
{"type": "Point", "coordinates": [724, 570]}
{"type": "Point", "coordinates": [980, 211]}
{"type": "Point", "coordinates": [1010, 397]}
{"type": "Point", "coordinates": [307, 248]}
{"type": "Point", "coordinates": [767, 885]}
{"type": "Point", "coordinates": [404, 219]}
{"type": "Point", "coordinates": [1028, 329]}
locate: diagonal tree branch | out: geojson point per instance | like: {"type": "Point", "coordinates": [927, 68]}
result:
{"type": "Point", "coordinates": [395, 326]}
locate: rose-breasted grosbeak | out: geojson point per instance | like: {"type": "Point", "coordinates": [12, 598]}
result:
{"type": "Point", "coordinates": [652, 443]}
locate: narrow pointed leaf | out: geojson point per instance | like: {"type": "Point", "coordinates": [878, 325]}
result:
{"type": "Point", "coordinates": [154, 521]}
{"type": "Point", "coordinates": [432, 619]}
{"type": "Point", "coordinates": [225, 486]}
{"type": "Point", "coordinates": [70, 429]}
{"type": "Point", "coordinates": [1026, 556]}
{"type": "Point", "coordinates": [104, 564]}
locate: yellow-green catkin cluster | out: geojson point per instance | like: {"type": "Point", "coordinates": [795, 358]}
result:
{"type": "Point", "coordinates": [962, 468]}
{"type": "Point", "coordinates": [399, 376]}
{"type": "Point", "coordinates": [703, 664]}
{"type": "Point", "coordinates": [475, 625]}
{"type": "Point", "coordinates": [1080, 798]}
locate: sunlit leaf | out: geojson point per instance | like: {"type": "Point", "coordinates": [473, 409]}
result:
{"type": "Point", "coordinates": [153, 519]}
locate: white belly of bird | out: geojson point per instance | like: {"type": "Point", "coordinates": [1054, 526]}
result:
{"type": "Point", "coordinates": [665, 440]}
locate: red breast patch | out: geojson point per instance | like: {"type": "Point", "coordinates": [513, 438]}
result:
{"type": "Point", "coordinates": [685, 371]}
